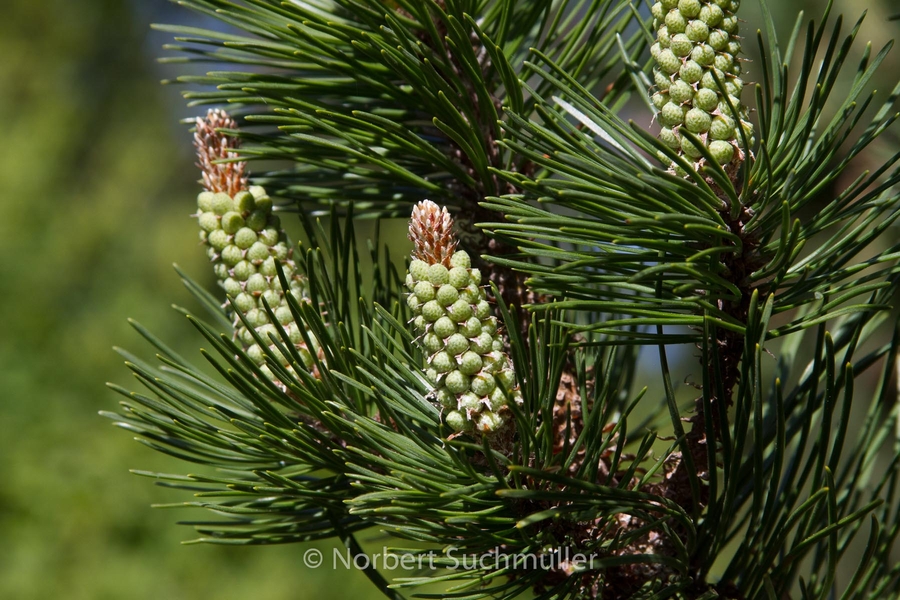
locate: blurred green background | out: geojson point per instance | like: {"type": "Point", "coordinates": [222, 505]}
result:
{"type": "Point", "coordinates": [96, 182]}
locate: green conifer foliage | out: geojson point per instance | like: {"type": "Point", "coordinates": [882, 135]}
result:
{"type": "Point", "coordinates": [771, 272]}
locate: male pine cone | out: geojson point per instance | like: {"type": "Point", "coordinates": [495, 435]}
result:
{"type": "Point", "coordinates": [697, 41]}
{"type": "Point", "coordinates": [472, 374]}
{"type": "Point", "coordinates": [244, 239]}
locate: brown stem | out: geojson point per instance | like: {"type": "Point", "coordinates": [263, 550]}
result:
{"type": "Point", "coordinates": [724, 363]}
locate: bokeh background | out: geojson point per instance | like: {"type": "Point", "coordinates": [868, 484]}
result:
{"type": "Point", "coordinates": [96, 182]}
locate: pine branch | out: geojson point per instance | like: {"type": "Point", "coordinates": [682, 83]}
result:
{"type": "Point", "coordinates": [382, 109]}
{"type": "Point", "coordinates": [599, 239]}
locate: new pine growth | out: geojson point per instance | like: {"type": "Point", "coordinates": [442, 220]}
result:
{"type": "Point", "coordinates": [697, 74]}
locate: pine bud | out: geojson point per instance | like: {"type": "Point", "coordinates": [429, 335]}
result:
{"type": "Point", "coordinates": [455, 327]}
{"type": "Point", "coordinates": [697, 41]}
{"type": "Point", "coordinates": [431, 230]}
{"type": "Point", "coordinates": [244, 239]}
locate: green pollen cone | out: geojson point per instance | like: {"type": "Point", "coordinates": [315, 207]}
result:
{"type": "Point", "coordinates": [244, 240]}
{"type": "Point", "coordinates": [696, 42]}
{"type": "Point", "coordinates": [473, 376]}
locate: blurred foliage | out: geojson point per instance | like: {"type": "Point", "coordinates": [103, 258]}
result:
{"type": "Point", "coordinates": [97, 179]}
